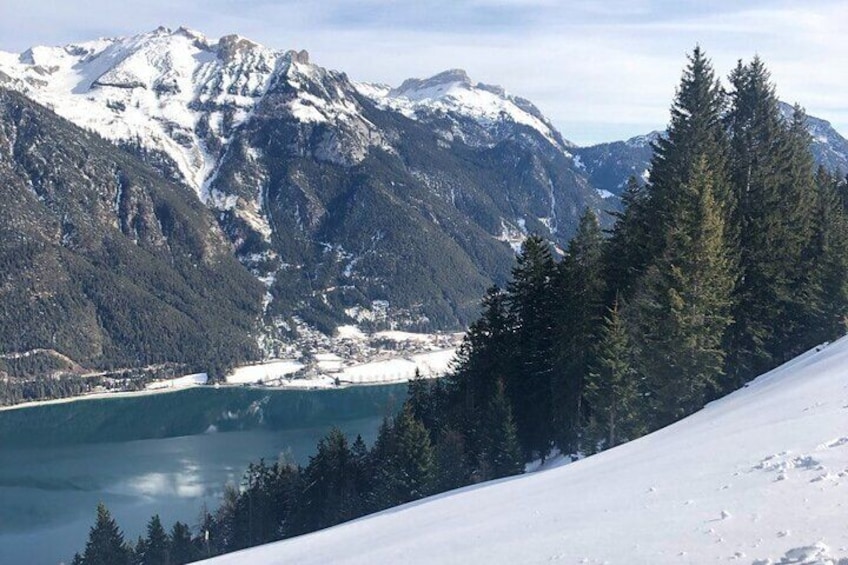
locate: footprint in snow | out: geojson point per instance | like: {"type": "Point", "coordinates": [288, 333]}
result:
{"type": "Point", "coordinates": [837, 443]}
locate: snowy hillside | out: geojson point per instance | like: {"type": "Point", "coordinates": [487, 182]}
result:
{"type": "Point", "coordinates": [760, 476]}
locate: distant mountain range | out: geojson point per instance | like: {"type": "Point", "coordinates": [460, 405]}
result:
{"type": "Point", "coordinates": [609, 165]}
{"type": "Point", "coordinates": [342, 201]}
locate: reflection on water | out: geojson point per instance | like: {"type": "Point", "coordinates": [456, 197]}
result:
{"type": "Point", "coordinates": [48, 494]}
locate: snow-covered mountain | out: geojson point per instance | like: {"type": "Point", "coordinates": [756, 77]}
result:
{"type": "Point", "coordinates": [452, 100]}
{"type": "Point", "coordinates": [759, 477]}
{"type": "Point", "coordinates": [609, 165]}
{"type": "Point", "coordinates": [337, 195]}
{"type": "Point", "coordinates": [177, 93]}
{"type": "Point", "coordinates": [829, 148]}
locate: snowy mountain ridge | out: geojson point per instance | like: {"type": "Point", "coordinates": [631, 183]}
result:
{"type": "Point", "coordinates": [184, 94]}
{"type": "Point", "coordinates": [758, 477]}
{"type": "Point", "coordinates": [175, 92]}
{"type": "Point", "coordinates": [453, 92]}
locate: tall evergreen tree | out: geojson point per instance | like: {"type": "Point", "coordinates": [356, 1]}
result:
{"type": "Point", "coordinates": [830, 260]}
{"type": "Point", "coordinates": [181, 548]}
{"type": "Point", "coordinates": [580, 295]}
{"type": "Point", "coordinates": [682, 310]}
{"type": "Point", "coordinates": [532, 306]}
{"type": "Point", "coordinates": [613, 392]}
{"type": "Point", "coordinates": [502, 452]}
{"type": "Point", "coordinates": [483, 358]}
{"type": "Point", "coordinates": [772, 176]}
{"type": "Point", "coordinates": [156, 546]}
{"type": "Point", "coordinates": [695, 132]}
{"type": "Point", "coordinates": [106, 545]}
{"type": "Point", "coordinates": [453, 469]}
{"type": "Point", "coordinates": [626, 256]}
{"type": "Point", "coordinates": [329, 496]}
{"type": "Point", "coordinates": [404, 461]}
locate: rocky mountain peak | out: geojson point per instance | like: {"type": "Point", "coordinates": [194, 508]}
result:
{"type": "Point", "coordinates": [438, 83]}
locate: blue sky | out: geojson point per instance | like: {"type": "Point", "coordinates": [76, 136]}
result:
{"type": "Point", "coordinates": [599, 70]}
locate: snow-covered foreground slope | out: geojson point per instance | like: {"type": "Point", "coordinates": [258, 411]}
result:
{"type": "Point", "coordinates": [758, 477]}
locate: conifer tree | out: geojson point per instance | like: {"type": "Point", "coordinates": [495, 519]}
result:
{"type": "Point", "coordinates": [502, 452]}
{"type": "Point", "coordinates": [452, 466]}
{"type": "Point", "coordinates": [483, 358]}
{"type": "Point", "coordinates": [580, 291]}
{"type": "Point", "coordinates": [156, 549]}
{"type": "Point", "coordinates": [613, 393]}
{"type": "Point", "coordinates": [626, 256]}
{"type": "Point", "coordinates": [404, 460]}
{"type": "Point", "coordinates": [830, 260]}
{"type": "Point", "coordinates": [329, 496]}
{"type": "Point", "coordinates": [772, 177]}
{"type": "Point", "coordinates": [682, 311]}
{"type": "Point", "coordinates": [362, 471]}
{"type": "Point", "coordinates": [181, 548]}
{"type": "Point", "coordinates": [105, 544]}
{"type": "Point", "coordinates": [696, 132]}
{"type": "Point", "coordinates": [532, 306]}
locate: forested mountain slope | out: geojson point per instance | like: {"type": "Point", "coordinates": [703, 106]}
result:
{"type": "Point", "coordinates": [105, 262]}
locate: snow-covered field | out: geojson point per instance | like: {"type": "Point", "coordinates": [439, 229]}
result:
{"type": "Point", "coordinates": [759, 477]}
{"type": "Point", "coordinates": [331, 371]}
{"type": "Point", "coordinates": [353, 357]}
{"type": "Point", "coordinates": [264, 372]}
{"type": "Point", "coordinates": [180, 382]}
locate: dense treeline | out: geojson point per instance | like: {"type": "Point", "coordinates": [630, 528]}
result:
{"type": "Point", "coordinates": [733, 258]}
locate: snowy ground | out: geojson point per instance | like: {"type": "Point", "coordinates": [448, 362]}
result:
{"type": "Point", "coordinates": [180, 382]}
{"type": "Point", "coordinates": [331, 371]}
{"type": "Point", "coordinates": [759, 477]}
{"type": "Point", "coordinates": [354, 357]}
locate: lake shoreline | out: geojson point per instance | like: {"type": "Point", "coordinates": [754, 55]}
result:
{"type": "Point", "coordinates": [101, 395]}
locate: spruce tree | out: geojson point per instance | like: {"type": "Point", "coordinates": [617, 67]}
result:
{"type": "Point", "coordinates": [452, 466]}
{"type": "Point", "coordinates": [626, 256]}
{"type": "Point", "coordinates": [682, 311]}
{"type": "Point", "coordinates": [404, 460]}
{"type": "Point", "coordinates": [502, 452]}
{"type": "Point", "coordinates": [695, 132]}
{"type": "Point", "coordinates": [613, 393]}
{"type": "Point", "coordinates": [830, 260]}
{"type": "Point", "coordinates": [532, 307]}
{"type": "Point", "coordinates": [181, 548]}
{"type": "Point", "coordinates": [105, 544]}
{"type": "Point", "coordinates": [156, 549]}
{"type": "Point", "coordinates": [580, 295]}
{"type": "Point", "coordinates": [329, 496]}
{"type": "Point", "coordinates": [484, 356]}
{"type": "Point", "coordinates": [772, 176]}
